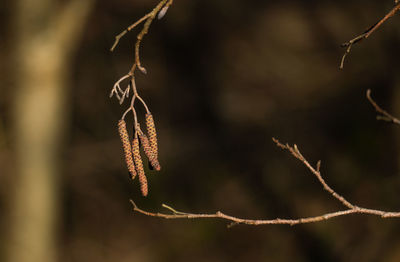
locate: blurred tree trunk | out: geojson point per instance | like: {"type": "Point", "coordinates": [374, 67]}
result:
{"type": "Point", "coordinates": [46, 33]}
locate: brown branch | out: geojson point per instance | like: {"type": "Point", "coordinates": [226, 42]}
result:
{"type": "Point", "coordinates": [119, 36]}
{"type": "Point", "coordinates": [122, 93]}
{"type": "Point", "coordinates": [160, 9]}
{"type": "Point", "coordinates": [368, 32]}
{"type": "Point", "coordinates": [351, 208]}
{"type": "Point", "coordinates": [316, 171]}
{"type": "Point", "coordinates": [384, 115]}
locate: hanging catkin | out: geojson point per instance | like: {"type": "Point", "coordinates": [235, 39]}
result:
{"type": "Point", "coordinates": [139, 166]}
{"type": "Point", "coordinates": [151, 130]}
{"type": "Point", "coordinates": [148, 151]}
{"type": "Point", "coordinates": [123, 133]}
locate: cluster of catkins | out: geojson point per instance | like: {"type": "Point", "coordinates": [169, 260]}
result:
{"type": "Point", "coordinates": [133, 158]}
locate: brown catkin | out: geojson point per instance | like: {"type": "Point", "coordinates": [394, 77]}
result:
{"type": "Point", "coordinates": [149, 152]}
{"type": "Point", "coordinates": [151, 130]}
{"type": "Point", "coordinates": [139, 166]}
{"type": "Point", "coordinates": [123, 133]}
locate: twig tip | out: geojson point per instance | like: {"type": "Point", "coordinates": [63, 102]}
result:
{"type": "Point", "coordinates": [368, 93]}
{"type": "Point", "coordinates": [133, 204]}
{"type": "Point", "coordinates": [319, 165]}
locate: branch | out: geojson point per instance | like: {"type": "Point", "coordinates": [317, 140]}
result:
{"type": "Point", "coordinates": [160, 9]}
{"type": "Point", "coordinates": [382, 114]}
{"type": "Point", "coordinates": [149, 144]}
{"type": "Point", "coordinates": [119, 92]}
{"type": "Point", "coordinates": [368, 32]}
{"type": "Point", "coordinates": [350, 208]}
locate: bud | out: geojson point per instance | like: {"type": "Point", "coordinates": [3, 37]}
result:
{"type": "Point", "coordinates": [162, 12]}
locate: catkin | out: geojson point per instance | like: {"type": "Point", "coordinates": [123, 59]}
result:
{"type": "Point", "coordinates": [139, 166]}
{"type": "Point", "coordinates": [123, 133]}
{"type": "Point", "coordinates": [149, 152]}
{"type": "Point", "coordinates": [151, 130]}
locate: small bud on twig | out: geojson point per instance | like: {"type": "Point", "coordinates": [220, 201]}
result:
{"type": "Point", "coordinates": [162, 13]}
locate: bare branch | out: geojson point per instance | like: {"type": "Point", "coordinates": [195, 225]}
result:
{"type": "Point", "coordinates": [384, 115]}
{"type": "Point", "coordinates": [296, 153]}
{"type": "Point", "coordinates": [368, 32]}
{"type": "Point", "coordinates": [235, 220]}
{"type": "Point", "coordinates": [160, 9]}
{"type": "Point", "coordinates": [119, 36]}
{"type": "Point", "coordinates": [351, 208]}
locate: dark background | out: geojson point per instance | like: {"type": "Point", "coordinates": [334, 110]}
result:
{"type": "Point", "coordinates": [224, 77]}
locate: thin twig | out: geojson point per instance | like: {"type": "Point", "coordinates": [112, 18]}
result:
{"type": "Point", "coordinates": [316, 171]}
{"type": "Point", "coordinates": [163, 5]}
{"type": "Point", "coordinates": [351, 208]}
{"type": "Point", "coordinates": [384, 115]}
{"type": "Point", "coordinates": [119, 36]}
{"type": "Point", "coordinates": [368, 32]}
{"type": "Point", "coordinates": [147, 19]}
{"type": "Point", "coordinates": [117, 90]}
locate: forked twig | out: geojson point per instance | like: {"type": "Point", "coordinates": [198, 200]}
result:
{"type": "Point", "coordinates": [160, 9]}
{"type": "Point", "coordinates": [350, 208]}
{"type": "Point", "coordinates": [129, 28]}
{"type": "Point", "coordinates": [118, 91]}
{"type": "Point", "coordinates": [384, 115]}
{"type": "Point", "coordinates": [368, 32]}
{"type": "Point", "coordinates": [316, 171]}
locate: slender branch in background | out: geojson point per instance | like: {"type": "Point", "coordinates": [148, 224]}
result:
{"type": "Point", "coordinates": [368, 32]}
{"type": "Point", "coordinates": [120, 93]}
{"type": "Point", "coordinates": [384, 115]}
{"type": "Point", "coordinates": [350, 208]}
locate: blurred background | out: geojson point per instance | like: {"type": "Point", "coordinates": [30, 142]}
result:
{"type": "Point", "coordinates": [224, 77]}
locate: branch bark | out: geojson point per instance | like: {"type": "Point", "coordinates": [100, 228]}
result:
{"type": "Point", "coordinates": [350, 207]}
{"type": "Point", "coordinates": [382, 114]}
{"type": "Point", "coordinates": [368, 32]}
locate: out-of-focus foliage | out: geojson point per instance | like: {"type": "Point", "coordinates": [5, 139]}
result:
{"type": "Point", "coordinates": [223, 78]}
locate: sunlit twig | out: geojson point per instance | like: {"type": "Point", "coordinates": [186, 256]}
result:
{"type": "Point", "coordinates": [384, 115]}
{"type": "Point", "coordinates": [368, 32]}
{"type": "Point", "coordinates": [350, 208]}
